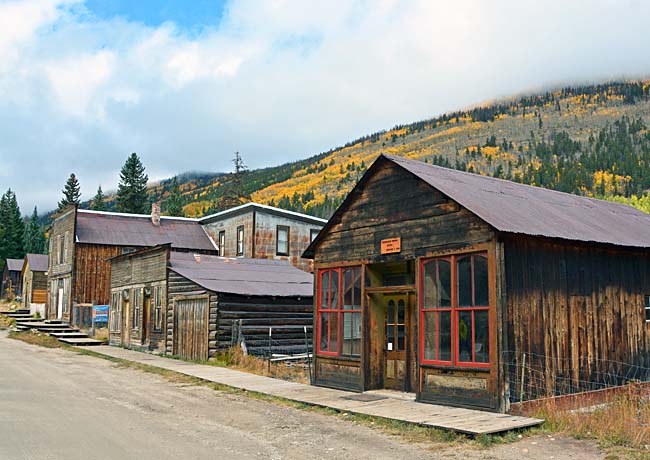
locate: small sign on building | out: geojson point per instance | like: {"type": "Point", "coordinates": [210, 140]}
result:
{"type": "Point", "coordinates": [391, 245]}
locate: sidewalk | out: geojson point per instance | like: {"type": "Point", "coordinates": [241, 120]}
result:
{"type": "Point", "coordinates": [467, 421]}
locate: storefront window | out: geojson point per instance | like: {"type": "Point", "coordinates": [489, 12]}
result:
{"type": "Point", "coordinates": [455, 310]}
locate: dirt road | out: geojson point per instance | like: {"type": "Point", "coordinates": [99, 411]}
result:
{"type": "Point", "coordinates": [57, 404]}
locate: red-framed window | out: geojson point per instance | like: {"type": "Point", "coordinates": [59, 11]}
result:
{"type": "Point", "coordinates": [454, 311]}
{"type": "Point", "coordinates": [339, 311]}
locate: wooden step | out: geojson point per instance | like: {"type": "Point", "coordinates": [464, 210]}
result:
{"type": "Point", "coordinates": [68, 334]}
{"type": "Point", "coordinates": [81, 342]}
{"type": "Point", "coordinates": [27, 320]}
{"type": "Point", "coordinates": [63, 330]}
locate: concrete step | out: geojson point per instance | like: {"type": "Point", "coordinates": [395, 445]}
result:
{"type": "Point", "coordinates": [81, 342]}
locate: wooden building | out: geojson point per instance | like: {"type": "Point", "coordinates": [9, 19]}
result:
{"type": "Point", "coordinates": [257, 231]}
{"type": "Point", "coordinates": [82, 243]}
{"type": "Point", "coordinates": [12, 281]}
{"type": "Point", "coordinates": [185, 304]}
{"type": "Point", "coordinates": [34, 274]}
{"type": "Point", "coordinates": [435, 281]}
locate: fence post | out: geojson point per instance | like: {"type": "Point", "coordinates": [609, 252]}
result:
{"type": "Point", "coordinates": [269, 361]}
{"type": "Point", "coordinates": [521, 389]}
{"type": "Point", "coordinates": [311, 382]}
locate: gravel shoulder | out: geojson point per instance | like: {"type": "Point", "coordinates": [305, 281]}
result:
{"type": "Point", "coordinates": [57, 404]}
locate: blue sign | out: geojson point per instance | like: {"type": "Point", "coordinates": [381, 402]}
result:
{"type": "Point", "coordinates": [100, 313]}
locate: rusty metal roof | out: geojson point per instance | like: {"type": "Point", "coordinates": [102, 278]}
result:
{"type": "Point", "coordinates": [517, 208]}
{"type": "Point", "coordinates": [37, 262]}
{"type": "Point", "coordinates": [96, 227]}
{"type": "Point", "coordinates": [255, 277]}
{"type": "Point", "coordinates": [15, 265]}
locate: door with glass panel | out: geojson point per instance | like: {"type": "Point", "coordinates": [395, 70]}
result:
{"type": "Point", "coordinates": [397, 342]}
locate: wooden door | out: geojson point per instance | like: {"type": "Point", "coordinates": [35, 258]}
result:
{"type": "Point", "coordinates": [146, 320]}
{"type": "Point", "coordinates": [396, 372]}
{"type": "Point", "coordinates": [126, 322]}
{"type": "Point", "coordinates": [191, 328]}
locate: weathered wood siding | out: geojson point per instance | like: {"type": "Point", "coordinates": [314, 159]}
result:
{"type": "Point", "coordinates": [577, 311]}
{"type": "Point", "coordinates": [394, 203]}
{"type": "Point", "coordinates": [92, 273]}
{"type": "Point", "coordinates": [286, 316]}
{"type": "Point", "coordinates": [180, 288]}
{"type": "Point", "coordinates": [136, 273]}
{"type": "Point", "coordinates": [34, 287]}
{"type": "Point", "coordinates": [61, 262]}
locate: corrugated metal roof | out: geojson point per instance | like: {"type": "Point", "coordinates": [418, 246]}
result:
{"type": "Point", "coordinates": [256, 277]}
{"type": "Point", "coordinates": [15, 265]}
{"type": "Point", "coordinates": [37, 262]}
{"type": "Point", "coordinates": [237, 210]}
{"type": "Point", "coordinates": [518, 208]}
{"type": "Point", "coordinates": [135, 230]}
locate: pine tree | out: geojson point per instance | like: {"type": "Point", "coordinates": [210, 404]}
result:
{"type": "Point", "coordinates": [97, 203]}
{"type": "Point", "coordinates": [71, 192]}
{"type": "Point", "coordinates": [132, 190]}
{"type": "Point", "coordinates": [12, 228]}
{"type": "Point", "coordinates": [34, 240]}
{"type": "Point", "coordinates": [174, 202]}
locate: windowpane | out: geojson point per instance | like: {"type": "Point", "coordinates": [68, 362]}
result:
{"type": "Point", "coordinates": [352, 288]}
{"type": "Point", "coordinates": [430, 293]}
{"type": "Point", "coordinates": [444, 336]}
{"type": "Point", "coordinates": [324, 287]}
{"type": "Point", "coordinates": [464, 269]}
{"type": "Point", "coordinates": [324, 323]}
{"type": "Point", "coordinates": [481, 342]}
{"type": "Point", "coordinates": [283, 240]}
{"type": "Point", "coordinates": [351, 333]}
{"type": "Point", "coordinates": [481, 292]}
{"type": "Point", "coordinates": [334, 331]}
{"type": "Point", "coordinates": [430, 334]}
{"type": "Point", "coordinates": [390, 312]}
{"type": "Point", "coordinates": [400, 311]}
{"type": "Point", "coordinates": [465, 336]}
{"type": "Point", "coordinates": [444, 283]}
{"type": "Point", "coordinates": [334, 290]}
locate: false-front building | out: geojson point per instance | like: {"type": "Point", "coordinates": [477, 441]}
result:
{"type": "Point", "coordinates": [438, 282]}
{"type": "Point", "coordinates": [186, 304]}
{"type": "Point", "coordinates": [34, 273]}
{"type": "Point", "coordinates": [257, 231]}
{"type": "Point", "coordinates": [83, 242]}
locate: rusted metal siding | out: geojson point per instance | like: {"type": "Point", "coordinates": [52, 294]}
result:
{"type": "Point", "coordinates": [230, 225]}
{"type": "Point", "coordinates": [576, 310]}
{"type": "Point", "coordinates": [266, 226]}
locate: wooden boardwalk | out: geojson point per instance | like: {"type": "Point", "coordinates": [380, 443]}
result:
{"type": "Point", "coordinates": [380, 404]}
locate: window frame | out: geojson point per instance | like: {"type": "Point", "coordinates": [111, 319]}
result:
{"type": "Point", "coordinates": [138, 294]}
{"type": "Point", "coordinates": [240, 241]}
{"type": "Point", "coordinates": [455, 309]}
{"type": "Point", "coordinates": [646, 308]}
{"type": "Point", "coordinates": [279, 228]}
{"type": "Point", "coordinates": [222, 243]}
{"type": "Point", "coordinates": [158, 295]}
{"type": "Point", "coordinates": [340, 311]}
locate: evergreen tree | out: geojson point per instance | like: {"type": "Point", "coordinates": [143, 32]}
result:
{"type": "Point", "coordinates": [71, 192]}
{"type": "Point", "coordinates": [97, 203]}
{"type": "Point", "coordinates": [132, 190]}
{"type": "Point", "coordinates": [174, 203]}
{"type": "Point", "coordinates": [12, 228]}
{"type": "Point", "coordinates": [235, 194]}
{"type": "Point", "coordinates": [34, 240]}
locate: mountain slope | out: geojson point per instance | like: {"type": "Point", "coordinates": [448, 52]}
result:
{"type": "Point", "coordinates": [593, 140]}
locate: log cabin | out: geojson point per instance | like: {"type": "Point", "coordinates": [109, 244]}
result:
{"type": "Point", "coordinates": [12, 281]}
{"type": "Point", "coordinates": [438, 282]}
{"type": "Point", "coordinates": [82, 242]}
{"type": "Point", "coordinates": [34, 274]}
{"type": "Point", "coordinates": [258, 231]}
{"type": "Point", "coordinates": [184, 304]}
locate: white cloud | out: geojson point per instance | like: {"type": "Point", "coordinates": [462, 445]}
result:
{"type": "Point", "coordinates": [277, 80]}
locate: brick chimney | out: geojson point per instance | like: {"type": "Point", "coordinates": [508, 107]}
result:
{"type": "Point", "coordinates": [155, 214]}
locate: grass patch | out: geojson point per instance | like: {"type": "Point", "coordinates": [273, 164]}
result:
{"type": "Point", "coordinates": [37, 338]}
{"type": "Point", "coordinates": [621, 425]}
{"type": "Point", "coordinates": [234, 358]}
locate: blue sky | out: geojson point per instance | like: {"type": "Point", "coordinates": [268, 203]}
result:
{"type": "Point", "coordinates": [185, 83]}
{"type": "Point", "coordinates": [189, 15]}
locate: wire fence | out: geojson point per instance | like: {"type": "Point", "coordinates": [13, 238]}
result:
{"type": "Point", "coordinates": [533, 376]}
